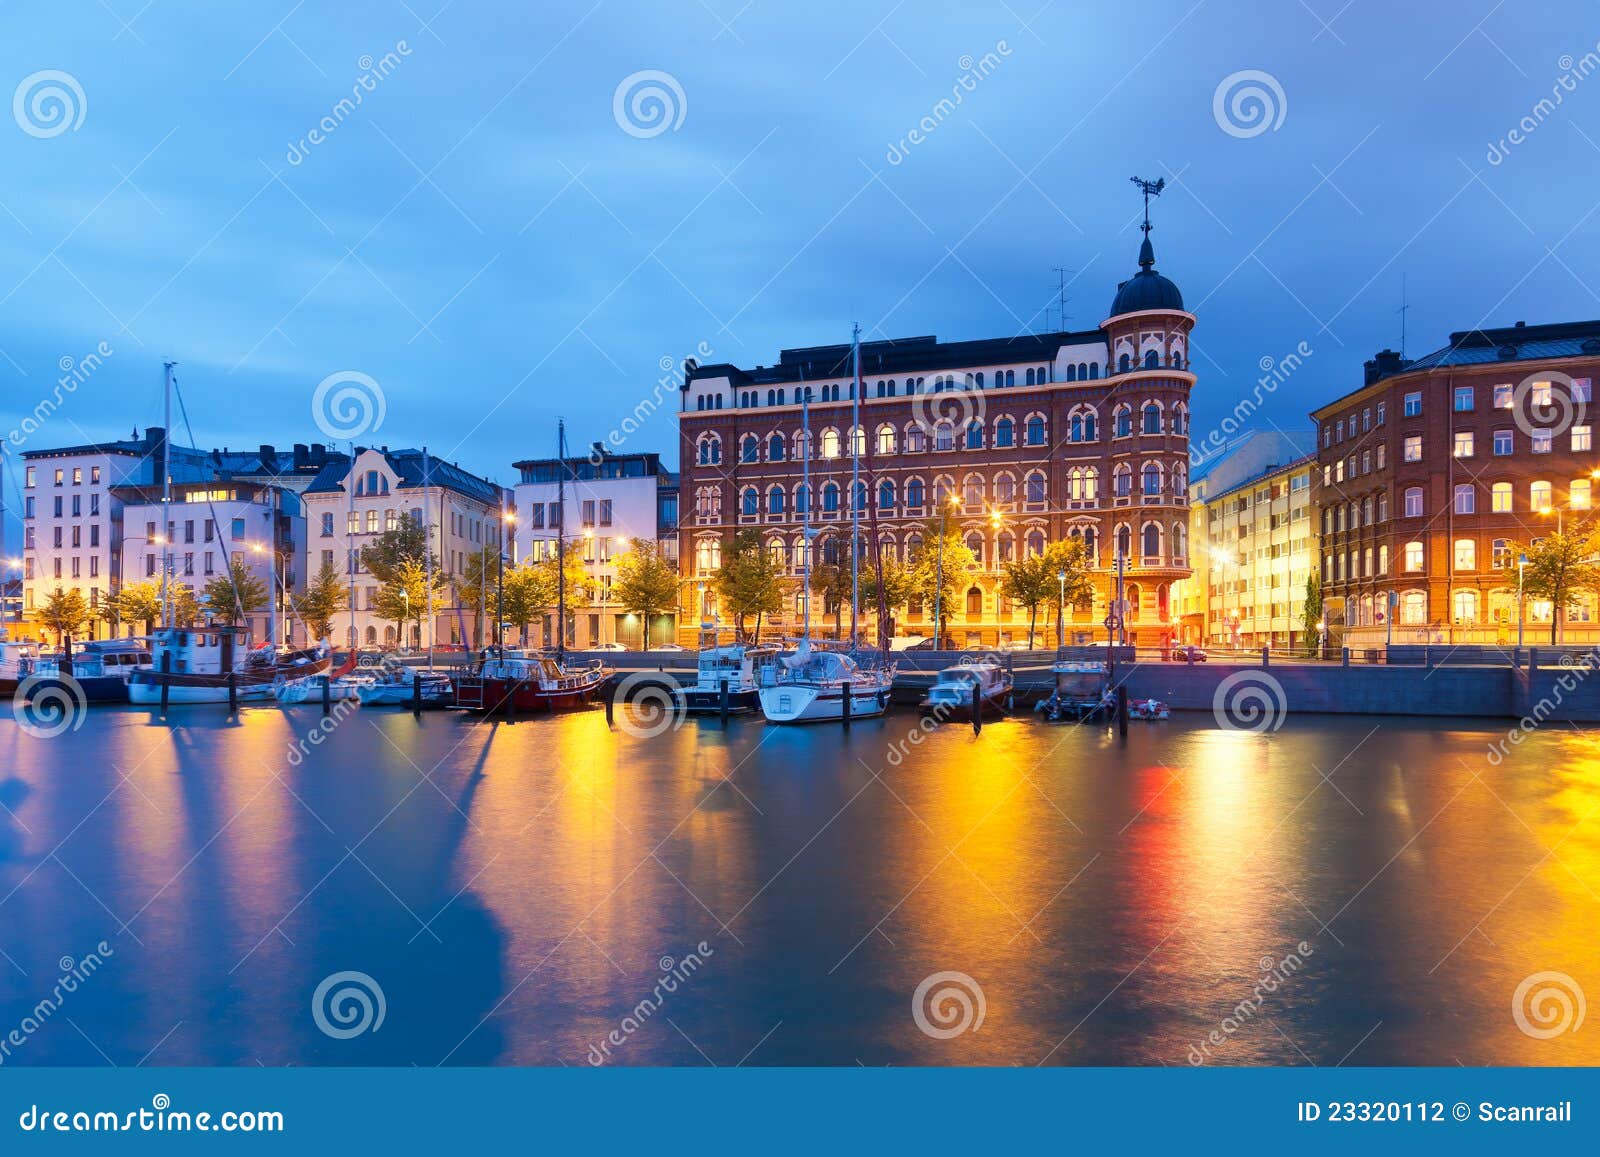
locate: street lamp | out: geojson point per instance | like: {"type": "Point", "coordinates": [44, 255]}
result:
{"type": "Point", "coordinates": [1522, 562]}
{"type": "Point", "coordinates": [1322, 636]}
{"type": "Point", "coordinates": [272, 586]}
{"type": "Point", "coordinates": [1061, 602]}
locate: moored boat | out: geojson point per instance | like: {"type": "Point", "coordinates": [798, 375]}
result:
{"type": "Point", "coordinates": [740, 666]}
{"type": "Point", "coordinates": [813, 685]}
{"type": "Point", "coordinates": [1148, 709]}
{"type": "Point", "coordinates": [199, 661]}
{"type": "Point", "coordinates": [16, 663]}
{"type": "Point", "coordinates": [529, 683]}
{"type": "Point", "coordinates": [955, 687]}
{"type": "Point", "coordinates": [396, 685]}
{"type": "Point", "coordinates": [101, 668]}
{"type": "Point", "coordinates": [1082, 691]}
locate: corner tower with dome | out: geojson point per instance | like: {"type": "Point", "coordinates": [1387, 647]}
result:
{"type": "Point", "coordinates": [1016, 441]}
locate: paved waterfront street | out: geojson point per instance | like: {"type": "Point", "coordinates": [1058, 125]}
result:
{"type": "Point", "coordinates": [1345, 890]}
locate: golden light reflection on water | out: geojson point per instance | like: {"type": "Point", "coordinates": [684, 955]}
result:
{"type": "Point", "coordinates": [1114, 899]}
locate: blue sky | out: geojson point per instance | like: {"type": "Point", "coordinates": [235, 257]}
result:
{"type": "Point", "coordinates": [483, 238]}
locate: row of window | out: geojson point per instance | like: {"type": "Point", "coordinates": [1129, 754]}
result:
{"type": "Point", "coordinates": [1540, 398]}
{"type": "Point", "coordinates": [1464, 500]}
{"type": "Point", "coordinates": [1340, 566]}
{"type": "Point", "coordinates": [31, 476]}
{"type": "Point", "coordinates": [891, 388]}
{"type": "Point", "coordinates": [60, 505]}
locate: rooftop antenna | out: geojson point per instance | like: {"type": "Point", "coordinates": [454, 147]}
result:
{"type": "Point", "coordinates": [1061, 295]}
{"type": "Point", "coordinates": [1404, 308]}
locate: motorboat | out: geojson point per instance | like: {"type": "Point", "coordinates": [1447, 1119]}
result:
{"type": "Point", "coordinates": [1082, 691]}
{"type": "Point", "coordinates": [739, 667]}
{"type": "Point", "coordinates": [395, 684]}
{"type": "Point", "coordinates": [1148, 709]}
{"type": "Point", "coordinates": [956, 686]}
{"type": "Point", "coordinates": [17, 657]}
{"type": "Point", "coordinates": [208, 664]}
{"type": "Point", "coordinates": [101, 668]}
{"type": "Point", "coordinates": [309, 690]}
{"type": "Point", "coordinates": [814, 684]}
{"type": "Point", "coordinates": [529, 683]}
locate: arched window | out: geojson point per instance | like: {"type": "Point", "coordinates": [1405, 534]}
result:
{"type": "Point", "coordinates": [1180, 543]}
{"type": "Point", "coordinates": [886, 439]}
{"type": "Point", "coordinates": [1075, 428]}
{"type": "Point", "coordinates": [830, 498]}
{"type": "Point", "coordinates": [1005, 489]}
{"type": "Point", "coordinates": [775, 448]}
{"type": "Point", "coordinates": [1180, 480]}
{"type": "Point", "coordinates": [1123, 363]}
{"type": "Point", "coordinates": [802, 499]}
{"type": "Point", "coordinates": [1150, 479]}
{"type": "Point", "coordinates": [1027, 377]}
{"type": "Point", "coordinates": [858, 440]}
{"type": "Point", "coordinates": [1035, 543]}
{"type": "Point", "coordinates": [1466, 606]}
{"type": "Point", "coordinates": [748, 500]}
{"type": "Point", "coordinates": [914, 497]}
{"type": "Point", "coordinates": [1004, 432]}
{"type": "Point", "coordinates": [749, 448]}
{"type": "Point", "coordinates": [1122, 481]}
{"type": "Point", "coordinates": [1011, 377]}
{"type": "Point", "coordinates": [1036, 430]}
{"type": "Point", "coordinates": [974, 435]}
{"type": "Point", "coordinates": [1072, 373]}
{"type": "Point", "coordinates": [1152, 360]}
{"type": "Point", "coordinates": [1180, 419]}
{"type": "Point", "coordinates": [1414, 608]}
{"type": "Point", "coordinates": [860, 492]}
{"type": "Point", "coordinates": [1088, 371]}
{"type": "Point", "coordinates": [1122, 419]}
{"type": "Point", "coordinates": [886, 494]}
{"type": "Point", "coordinates": [777, 552]}
{"type": "Point", "coordinates": [975, 595]}
{"type": "Point", "coordinates": [775, 500]}
{"type": "Point", "coordinates": [1413, 507]}
{"type": "Point", "coordinates": [1151, 542]}
{"type": "Point", "coordinates": [1124, 541]}
{"type": "Point", "coordinates": [1152, 418]}
{"type": "Point", "coordinates": [1036, 488]}
{"type": "Point", "coordinates": [830, 443]}
{"type": "Point", "coordinates": [972, 492]}
{"type": "Point", "coordinates": [944, 437]}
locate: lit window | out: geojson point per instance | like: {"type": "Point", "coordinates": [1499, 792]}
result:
{"type": "Point", "coordinates": [1466, 499]}
{"type": "Point", "coordinates": [1500, 498]}
{"type": "Point", "coordinates": [1582, 438]}
{"type": "Point", "coordinates": [1539, 497]}
{"type": "Point", "coordinates": [1466, 554]}
{"type": "Point", "coordinates": [1581, 390]}
{"type": "Point", "coordinates": [1413, 556]}
{"type": "Point", "coordinates": [1413, 448]}
{"type": "Point", "coordinates": [1541, 441]}
{"type": "Point", "coordinates": [1466, 606]}
{"type": "Point", "coordinates": [1463, 444]}
{"type": "Point", "coordinates": [1578, 495]}
{"type": "Point", "coordinates": [1500, 553]}
{"type": "Point", "coordinates": [1540, 394]}
{"type": "Point", "coordinates": [1502, 397]}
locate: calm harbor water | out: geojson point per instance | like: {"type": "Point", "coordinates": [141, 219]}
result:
{"type": "Point", "coordinates": [1344, 890]}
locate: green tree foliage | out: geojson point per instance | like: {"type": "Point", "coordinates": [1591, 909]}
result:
{"type": "Point", "coordinates": [324, 597]}
{"type": "Point", "coordinates": [942, 574]}
{"type": "Point", "coordinates": [235, 593]}
{"type": "Point", "coordinates": [134, 604]}
{"type": "Point", "coordinates": [1059, 575]}
{"type": "Point", "coordinates": [64, 612]}
{"type": "Point", "coordinates": [749, 582]}
{"type": "Point", "coordinates": [1558, 568]}
{"type": "Point", "coordinates": [647, 583]}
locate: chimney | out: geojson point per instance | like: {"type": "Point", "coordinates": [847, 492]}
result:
{"type": "Point", "coordinates": [1385, 364]}
{"type": "Point", "coordinates": [269, 456]}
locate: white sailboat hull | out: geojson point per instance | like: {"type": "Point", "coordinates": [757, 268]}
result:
{"type": "Point", "coordinates": [814, 703]}
{"type": "Point", "coordinates": [149, 694]}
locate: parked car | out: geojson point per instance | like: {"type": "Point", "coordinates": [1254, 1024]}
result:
{"type": "Point", "coordinates": [910, 643]}
{"type": "Point", "coordinates": [606, 647]}
{"type": "Point", "coordinates": [669, 647]}
{"type": "Point", "coordinates": [1188, 653]}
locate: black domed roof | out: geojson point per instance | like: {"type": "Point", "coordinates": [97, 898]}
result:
{"type": "Point", "coordinates": [1146, 289]}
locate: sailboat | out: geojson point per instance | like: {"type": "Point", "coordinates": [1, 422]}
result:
{"type": "Point", "coordinates": [528, 682]}
{"type": "Point", "coordinates": [213, 663]}
{"type": "Point", "coordinates": [815, 683]}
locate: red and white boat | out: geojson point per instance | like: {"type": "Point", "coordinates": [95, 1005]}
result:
{"type": "Point", "coordinates": [199, 660]}
{"type": "Point", "coordinates": [529, 683]}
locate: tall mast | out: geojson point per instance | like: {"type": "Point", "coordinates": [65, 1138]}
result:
{"type": "Point", "coordinates": [805, 488]}
{"type": "Point", "coordinates": [427, 549]}
{"type": "Point", "coordinates": [349, 539]}
{"type": "Point", "coordinates": [561, 536]}
{"type": "Point", "coordinates": [855, 480]}
{"type": "Point", "coordinates": [166, 494]}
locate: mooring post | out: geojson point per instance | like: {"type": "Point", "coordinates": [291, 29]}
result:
{"type": "Point", "coordinates": [66, 656]}
{"type": "Point", "coordinates": [722, 699]}
{"type": "Point", "coordinates": [1266, 657]}
{"type": "Point", "coordinates": [844, 704]}
{"type": "Point", "coordinates": [233, 693]}
{"type": "Point", "coordinates": [977, 712]}
{"type": "Point", "coordinates": [166, 672]}
{"type": "Point", "coordinates": [416, 694]}
{"type": "Point", "coordinates": [611, 703]}
{"type": "Point", "coordinates": [1122, 710]}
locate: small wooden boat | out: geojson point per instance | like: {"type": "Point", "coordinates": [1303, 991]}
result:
{"type": "Point", "coordinates": [1082, 691]}
{"type": "Point", "coordinates": [529, 683]}
{"type": "Point", "coordinates": [954, 689]}
{"type": "Point", "coordinates": [199, 661]}
{"type": "Point", "coordinates": [740, 666]}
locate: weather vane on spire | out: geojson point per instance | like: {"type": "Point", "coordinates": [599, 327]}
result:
{"type": "Point", "coordinates": [1149, 189]}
